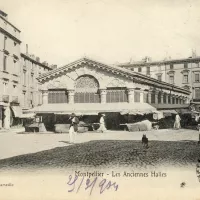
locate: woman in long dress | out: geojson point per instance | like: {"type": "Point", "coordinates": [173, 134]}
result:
{"type": "Point", "coordinates": [73, 128]}
{"type": "Point", "coordinates": [102, 127]}
{"type": "Point", "coordinates": [177, 124]}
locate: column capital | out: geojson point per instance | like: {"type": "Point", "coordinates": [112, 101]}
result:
{"type": "Point", "coordinates": [131, 90]}
{"type": "Point", "coordinates": [103, 91]}
{"type": "Point", "coordinates": [44, 92]}
{"type": "Point", "coordinates": [71, 92]}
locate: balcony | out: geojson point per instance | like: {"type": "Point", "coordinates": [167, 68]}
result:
{"type": "Point", "coordinates": [5, 98]}
{"type": "Point", "coordinates": [15, 99]}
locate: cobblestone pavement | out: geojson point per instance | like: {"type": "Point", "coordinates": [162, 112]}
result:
{"type": "Point", "coordinates": [13, 144]}
{"type": "Point", "coordinates": [109, 154]}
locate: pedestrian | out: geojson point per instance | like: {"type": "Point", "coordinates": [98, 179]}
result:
{"type": "Point", "coordinates": [73, 128]}
{"type": "Point", "coordinates": [177, 124]}
{"type": "Point", "coordinates": [102, 127]}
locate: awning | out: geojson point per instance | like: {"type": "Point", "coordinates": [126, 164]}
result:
{"type": "Point", "coordinates": [168, 112]}
{"type": "Point", "coordinates": [95, 108]}
{"type": "Point", "coordinates": [27, 115]}
{"type": "Point", "coordinates": [187, 111]}
{"type": "Point", "coordinates": [17, 110]}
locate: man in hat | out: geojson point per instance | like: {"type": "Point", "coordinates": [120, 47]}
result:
{"type": "Point", "coordinates": [102, 127]}
{"type": "Point", "coordinates": [73, 127]}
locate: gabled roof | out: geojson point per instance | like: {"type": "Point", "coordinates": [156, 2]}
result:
{"type": "Point", "coordinates": [136, 77]}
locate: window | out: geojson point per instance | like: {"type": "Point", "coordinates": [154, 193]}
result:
{"type": "Point", "coordinates": [139, 69]}
{"type": "Point", "coordinates": [24, 78]}
{"type": "Point", "coordinates": [87, 90]}
{"type": "Point", "coordinates": [31, 65]}
{"type": "Point", "coordinates": [31, 98]}
{"type": "Point", "coordinates": [171, 66]}
{"type": "Point", "coordinates": [160, 77]}
{"type": "Point", "coordinates": [137, 96]}
{"type": "Point", "coordinates": [24, 62]}
{"type": "Point", "coordinates": [114, 95]}
{"type": "Point", "coordinates": [132, 69]}
{"type": "Point", "coordinates": [148, 70]}
{"type": "Point", "coordinates": [171, 79]}
{"type": "Point", "coordinates": [57, 96]}
{"type": "Point", "coordinates": [32, 80]}
{"type": "Point", "coordinates": [185, 65]}
{"type": "Point", "coordinates": [14, 89]}
{"type": "Point", "coordinates": [185, 78]}
{"type": "Point", "coordinates": [5, 87]}
{"type": "Point", "coordinates": [196, 77]}
{"type": "Point", "coordinates": [197, 93]}
{"type": "Point", "coordinates": [5, 38]}
{"type": "Point", "coordinates": [14, 67]}
{"type": "Point", "coordinates": [24, 99]}
{"type": "Point", "coordinates": [4, 63]}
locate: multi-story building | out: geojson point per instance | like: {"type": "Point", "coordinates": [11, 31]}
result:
{"type": "Point", "coordinates": [18, 73]}
{"type": "Point", "coordinates": [9, 69]}
{"type": "Point", "coordinates": [31, 68]}
{"type": "Point", "coordinates": [184, 73]}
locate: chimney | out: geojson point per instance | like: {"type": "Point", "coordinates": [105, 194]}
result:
{"type": "Point", "coordinates": [26, 49]}
{"type": "Point", "coordinates": [53, 66]}
{"type": "Point", "coordinates": [38, 59]}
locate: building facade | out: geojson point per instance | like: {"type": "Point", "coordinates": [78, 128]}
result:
{"type": "Point", "coordinates": [31, 68]}
{"type": "Point", "coordinates": [184, 73]}
{"type": "Point", "coordinates": [88, 87]}
{"type": "Point", "coordinates": [9, 69]}
{"type": "Point", "coordinates": [18, 73]}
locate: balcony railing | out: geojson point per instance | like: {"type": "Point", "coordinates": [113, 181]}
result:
{"type": "Point", "coordinates": [5, 98]}
{"type": "Point", "coordinates": [15, 99]}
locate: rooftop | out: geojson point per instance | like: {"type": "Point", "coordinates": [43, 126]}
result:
{"type": "Point", "coordinates": [160, 62]}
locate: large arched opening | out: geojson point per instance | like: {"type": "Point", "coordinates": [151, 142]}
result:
{"type": "Point", "coordinates": [86, 90]}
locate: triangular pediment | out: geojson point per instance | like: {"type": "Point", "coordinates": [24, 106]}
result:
{"type": "Point", "coordinates": [81, 63]}
{"type": "Point", "coordinates": [122, 74]}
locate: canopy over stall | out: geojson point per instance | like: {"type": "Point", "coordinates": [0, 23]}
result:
{"type": "Point", "coordinates": [94, 108]}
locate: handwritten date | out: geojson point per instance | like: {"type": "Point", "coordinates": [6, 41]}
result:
{"type": "Point", "coordinates": [88, 184]}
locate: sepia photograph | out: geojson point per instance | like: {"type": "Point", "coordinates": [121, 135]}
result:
{"type": "Point", "coordinates": [99, 99]}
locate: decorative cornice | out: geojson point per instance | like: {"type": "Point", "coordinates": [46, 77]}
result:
{"type": "Point", "coordinates": [34, 61]}
{"type": "Point", "coordinates": [10, 35]}
{"type": "Point", "coordinates": [15, 56]}
{"type": "Point", "coordinates": [171, 72]}
{"type": "Point", "coordinates": [185, 71]}
{"type": "Point", "coordinates": [9, 23]}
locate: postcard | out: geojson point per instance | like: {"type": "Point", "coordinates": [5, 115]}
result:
{"type": "Point", "coordinates": [99, 99]}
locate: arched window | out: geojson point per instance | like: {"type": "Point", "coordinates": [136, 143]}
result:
{"type": "Point", "coordinates": [86, 90]}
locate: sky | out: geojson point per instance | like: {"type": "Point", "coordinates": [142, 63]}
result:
{"type": "Point", "coordinates": [110, 31]}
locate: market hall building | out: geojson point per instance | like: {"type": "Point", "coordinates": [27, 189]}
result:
{"type": "Point", "coordinates": [87, 87]}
